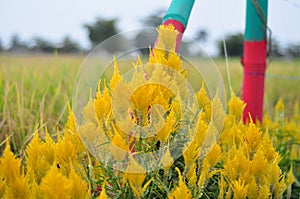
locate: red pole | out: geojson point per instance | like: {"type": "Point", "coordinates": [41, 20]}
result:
{"type": "Point", "coordinates": [254, 59]}
{"type": "Point", "coordinates": [254, 62]}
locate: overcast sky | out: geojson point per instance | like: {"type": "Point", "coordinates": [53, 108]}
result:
{"type": "Point", "coordinates": [56, 18]}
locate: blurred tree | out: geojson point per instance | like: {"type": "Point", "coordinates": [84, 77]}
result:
{"type": "Point", "coordinates": [154, 19]}
{"type": "Point", "coordinates": [103, 29]}
{"type": "Point", "coordinates": [40, 44]}
{"type": "Point", "coordinates": [69, 46]}
{"type": "Point", "coordinates": [184, 48]}
{"type": "Point", "coordinates": [15, 40]}
{"type": "Point", "coordinates": [1, 48]}
{"type": "Point", "coordinates": [234, 45]}
{"type": "Point", "coordinates": [201, 36]}
{"type": "Point", "coordinates": [276, 50]}
{"type": "Point", "coordinates": [16, 46]}
{"type": "Point", "coordinates": [144, 39]}
{"type": "Point", "coordinates": [293, 51]}
{"type": "Point", "coordinates": [147, 37]}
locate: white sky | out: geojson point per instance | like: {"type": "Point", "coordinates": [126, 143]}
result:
{"type": "Point", "coordinates": [56, 18]}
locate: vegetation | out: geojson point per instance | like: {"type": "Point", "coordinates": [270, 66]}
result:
{"type": "Point", "coordinates": [244, 160]}
{"type": "Point", "coordinates": [234, 45]}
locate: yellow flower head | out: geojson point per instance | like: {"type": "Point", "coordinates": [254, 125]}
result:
{"type": "Point", "coordinates": [236, 106]}
{"type": "Point", "coordinates": [55, 185]}
{"type": "Point", "coordinates": [167, 37]}
{"type": "Point", "coordinates": [290, 177]}
{"type": "Point", "coordinates": [239, 189]}
{"type": "Point", "coordinates": [103, 102]}
{"type": "Point", "coordinates": [181, 190]}
{"type": "Point", "coordinates": [135, 175]}
{"type": "Point", "coordinates": [116, 76]}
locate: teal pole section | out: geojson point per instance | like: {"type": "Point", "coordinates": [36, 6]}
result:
{"type": "Point", "coordinates": [256, 20]}
{"type": "Point", "coordinates": [180, 10]}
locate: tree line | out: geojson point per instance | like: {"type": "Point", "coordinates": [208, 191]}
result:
{"type": "Point", "coordinates": [102, 29]}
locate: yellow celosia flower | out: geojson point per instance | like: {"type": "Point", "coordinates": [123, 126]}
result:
{"type": "Point", "coordinates": [290, 177]}
{"type": "Point", "coordinates": [135, 175]}
{"type": "Point", "coordinates": [236, 106]}
{"type": "Point", "coordinates": [214, 156]}
{"type": "Point", "coordinates": [164, 53]}
{"type": "Point", "coordinates": [71, 134]}
{"type": "Point", "coordinates": [295, 152]}
{"type": "Point", "coordinates": [191, 153]}
{"type": "Point", "coordinates": [289, 181]}
{"type": "Point", "coordinates": [167, 37]}
{"type": "Point", "coordinates": [252, 138]}
{"type": "Point", "coordinates": [167, 160]}
{"type": "Point", "coordinates": [253, 189]}
{"type": "Point", "coordinates": [279, 188]}
{"type": "Point", "coordinates": [14, 184]}
{"type": "Point", "coordinates": [279, 112]}
{"type": "Point", "coordinates": [118, 147]}
{"type": "Point", "coordinates": [116, 76]}
{"type": "Point", "coordinates": [202, 98]}
{"type": "Point", "coordinates": [168, 127]}
{"type": "Point", "coordinates": [55, 185]}
{"type": "Point", "coordinates": [103, 102]}
{"type": "Point", "coordinates": [3, 187]}
{"type": "Point", "coordinates": [204, 175]}
{"type": "Point", "coordinates": [192, 176]}
{"type": "Point", "coordinates": [9, 165]}
{"type": "Point", "coordinates": [239, 189]}
{"type": "Point", "coordinates": [19, 189]}
{"type": "Point", "coordinates": [218, 113]}
{"type": "Point", "coordinates": [202, 130]}
{"type": "Point", "coordinates": [78, 186]}
{"type": "Point", "coordinates": [222, 188]}
{"type": "Point", "coordinates": [259, 164]}
{"type": "Point", "coordinates": [237, 165]}
{"type": "Point", "coordinates": [267, 147]}
{"type": "Point", "coordinates": [181, 190]}
{"type": "Point", "coordinates": [65, 155]}
{"type": "Point", "coordinates": [264, 192]}
{"type": "Point", "coordinates": [39, 156]}
{"type": "Point", "coordinates": [141, 100]}
{"type": "Point", "coordinates": [89, 111]}
{"type": "Point", "coordinates": [71, 123]}
{"type": "Point", "coordinates": [279, 106]}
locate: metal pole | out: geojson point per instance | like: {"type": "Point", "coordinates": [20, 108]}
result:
{"type": "Point", "coordinates": [254, 59]}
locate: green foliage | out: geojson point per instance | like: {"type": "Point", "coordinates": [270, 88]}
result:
{"type": "Point", "coordinates": [234, 45]}
{"type": "Point", "coordinates": [69, 46]}
{"type": "Point", "coordinates": [293, 50]}
{"type": "Point", "coordinates": [154, 19]}
{"type": "Point", "coordinates": [101, 29]}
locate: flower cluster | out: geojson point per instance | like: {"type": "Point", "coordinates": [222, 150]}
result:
{"type": "Point", "coordinates": [195, 149]}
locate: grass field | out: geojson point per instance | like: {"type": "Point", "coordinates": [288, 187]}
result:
{"type": "Point", "coordinates": [247, 160]}
{"type": "Point", "coordinates": [35, 90]}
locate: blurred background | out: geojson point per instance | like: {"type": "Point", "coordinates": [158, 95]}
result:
{"type": "Point", "coordinates": [76, 26]}
{"type": "Point", "coordinates": [43, 44]}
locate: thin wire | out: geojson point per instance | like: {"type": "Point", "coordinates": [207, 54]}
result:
{"type": "Point", "coordinates": [271, 76]}
{"type": "Point", "coordinates": [292, 3]}
{"type": "Point", "coordinates": [225, 54]}
{"type": "Point", "coordinates": [262, 16]}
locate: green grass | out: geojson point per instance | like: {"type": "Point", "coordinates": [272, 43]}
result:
{"type": "Point", "coordinates": [35, 90]}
